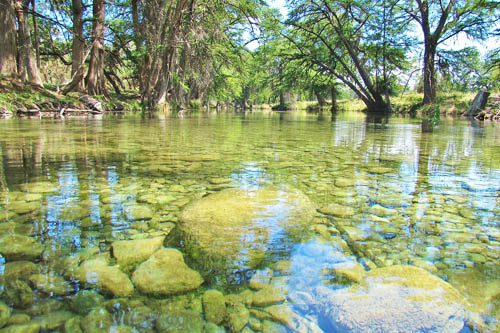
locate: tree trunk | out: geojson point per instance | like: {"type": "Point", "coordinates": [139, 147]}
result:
{"type": "Point", "coordinates": [321, 100]}
{"type": "Point", "coordinates": [333, 95]}
{"type": "Point", "coordinates": [35, 34]}
{"type": "Point", "coordinates": [27, 64]}
{"type": "Point", "coordinates": [96, 81]}
{"type": "Point", "coordinates": [478, 103]}
{"type": "Point", "coordinates": [8, 65]}
{"type": "Point", "coordinates": [138, 41]}
{"type": "Point", "coordinates": [78, 47]}
{"type": "Point", "coordinates": [429, 72]}
{"type": "Point", "coordinates": [377, 105]}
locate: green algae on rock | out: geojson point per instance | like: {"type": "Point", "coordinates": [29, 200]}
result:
{"type": "Point", "coordinates": [18, 247]}
{"type": "Point", "coordinates": [233, 220]}
{"type": "Point", "coordinates": [51, 284]}
{"type": "Point", "coordinates": [18, 293]}
{"type": "Point", "coordinates": [4, 314]}
{"type": "Point", "coordinates": [180, 321]}
{"type": "Point", "coordinates": [85, 301]}
{"type": "Point", "coordinates": [139, 212]}
{"type": "Point", "coordinates": [337, 210]}
{"type": "Point", "coordinates": [39, 187]}
{"type": "Point", "coordinates": [109, 278]}
{"type": "Point", "coordinates": [22, 270]}
{"type": "Point", "coordinates": [132, 252]}
{"type": "Point", "coordinates": [166, 273]}
{"type": "Point", "coordinates": [214, 306]}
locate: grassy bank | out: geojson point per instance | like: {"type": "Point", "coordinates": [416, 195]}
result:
{"type": "Point", "coordinates": [20, 99]}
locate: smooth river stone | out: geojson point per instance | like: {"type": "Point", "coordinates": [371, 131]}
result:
{"type": "Point", "coordinates": [337, 210]}
{"type": "Point", "coordinates": [132, 252]}
{"type": "Point", "coordinates": [394, 299]}
{"type": "Point", "coordinates": [139, 212]}
{"type": "Point", "coordinates": [17, 247]}
{"type": "Point", "coordinates": [39, 187]}
{"type": "Point", "coordinates": [109, 278]}
{"type": "Point", "coordinates": [233, 221]}
{"type": "Point", "coordinates": [166, 273]}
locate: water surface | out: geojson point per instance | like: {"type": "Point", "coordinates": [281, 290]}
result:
{"type": "Point", "coordinates": [383, 194]}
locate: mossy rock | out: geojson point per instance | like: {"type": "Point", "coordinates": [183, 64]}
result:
{"type": "Point", "coordinates": [39, 187]}
{"type": "Point", "coordinates": [111, 279]}
{"type": "Point", "coordinates": [179, 322]}
{"type": "Point", "coordinates": [98, 320]}
{"type": "Point", "coordinates": [214, 306]}
{"type": "Point", "coordinates": [24, 328]}
{"type": "Point", "coordinates": [129, 253]}
{"type": "Point", "coordinates": [23, 207]}
{"type": "Point", "coordinates": [51, 284]}
{"type": "Point", "coordinates": [18, 293]}
{"type": "Point", "coordinates": [85, 301]}
{"type": "Point", "coordinates": [53, 320]}
{"type": "Point", "coordinates": [337, 210]}
{"type": "Point", "coordinates": [17, 247]}
{"type": "Point", "coordinates": [238, 316]}
{"type": "Point", "coordinates": [139, 212]}
{"type": "Point", "coordinates": [166, 273]}
{"type": "Point", "coordinates": [4, 314]}
{"type": "Point", "coordinates": [21, 270]}
{"type": "Point", "coordinates": [234, 221]}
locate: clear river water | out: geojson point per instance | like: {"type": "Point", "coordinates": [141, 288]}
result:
{"type": "Point", "coordinates": [249, 222]}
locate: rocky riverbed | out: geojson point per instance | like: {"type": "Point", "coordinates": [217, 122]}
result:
{"type": "Point", "coordinates": [118, 236]}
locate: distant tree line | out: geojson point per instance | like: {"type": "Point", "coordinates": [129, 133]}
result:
{"type": "Point", "coordinates": [177, 51]}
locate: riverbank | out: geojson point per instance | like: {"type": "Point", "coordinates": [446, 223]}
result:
{"type": "Point", "coordinates": [22, 100]}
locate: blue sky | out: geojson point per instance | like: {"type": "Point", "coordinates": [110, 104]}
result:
{"type": "Point", "coordinates": [457, 43]}
{"type": "Point", "coordinates": [280, 4]}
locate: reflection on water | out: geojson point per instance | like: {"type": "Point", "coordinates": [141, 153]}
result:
{"type": "Point", "coordinates": [284, 206]}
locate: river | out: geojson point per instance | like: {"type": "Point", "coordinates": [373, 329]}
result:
{"type": "Point", "coordinates": [124, 223]}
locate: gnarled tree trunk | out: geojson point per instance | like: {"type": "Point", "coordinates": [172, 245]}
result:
{"type": "Point", "coordinates": [78, 47]}
{"type": "Point", "coordinates": [7, 39]}
{"type": "Point", "coordinates": [28, 69]}
{"type": "Point", "coordinates": [96, 81]}
{"type": "Point", "coordinates": [429, 73]}
{"type": "Point", "coordinates": [333, 96]}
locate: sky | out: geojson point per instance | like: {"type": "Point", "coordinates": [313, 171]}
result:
{"type": "Point", "coordinates": [457, 43]}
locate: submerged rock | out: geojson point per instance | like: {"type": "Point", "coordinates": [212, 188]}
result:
{"type": "Point", "coordinates": [17, 247]}
{"type": "Point", "coordinates": [18, 293]}
{"type": "Point", "coordinates": [214, 306]}
{"type": "Point", "coordinates": [110, 278]}
{"type": "Point", "coordinates": [51, 284]}
{"type": "Point", "coordinates": [39, 187]}
{"type": "Point", "coordinates": [233, 221]}
{"type": "Point", "coordinates": [179, 322]}
{"type": "Point", "coordinates": [85, 301]}
{"type": "Point", "coordinates": [21, 207]}
{"type": "Point", "coordinates": [165, 273]}
{"type": "Point", "coordinates": [25, 328]}
{"type": "Point", "coordinates": [337, 210]}
{"type": "Point", "coordinates": [238, 317]}
{"type": "Point", "coordinates": [131, 252]}
{"type": "Point", "coordinates": [19, 270]}
{"type": "Point", "coordinates": [98, 320]}
{"type": "Point", "coordinates": [394, 299]}
{"type": "Point", "coordinates": [4, 314]}
{"type": "Point", "coordinates": [348, 272]}
{"type": "Point", "coordinates": [53, 320]}
{"type": "Point", "coordinates": [139, 212]}
{"type": "Point", "coordinates": [267, 296]}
